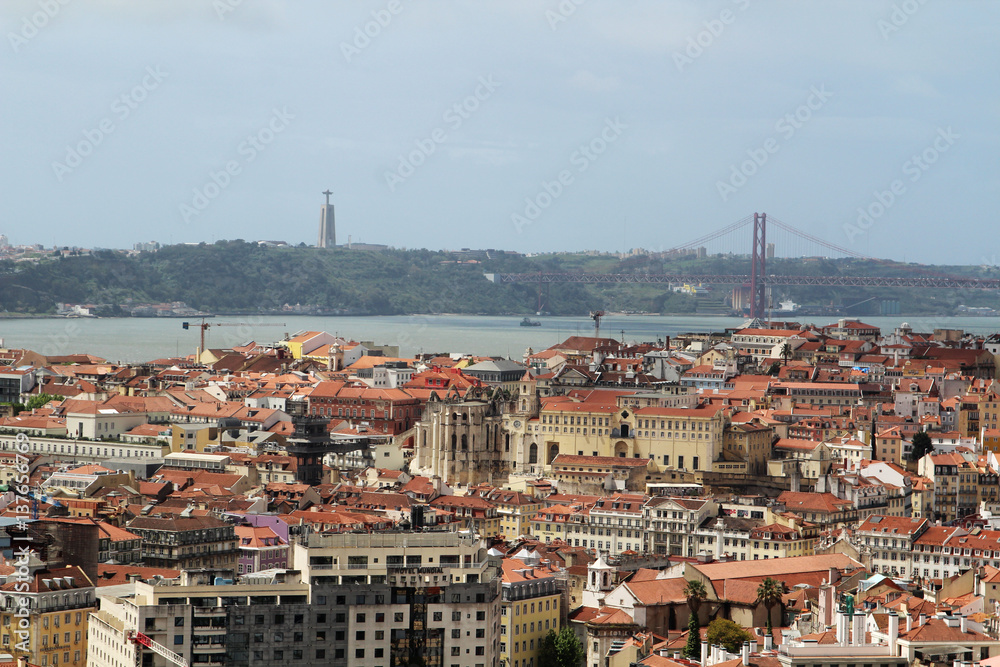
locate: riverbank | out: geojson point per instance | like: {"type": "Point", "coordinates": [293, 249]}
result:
{"type": "Point", "coordinates": [143, 339]}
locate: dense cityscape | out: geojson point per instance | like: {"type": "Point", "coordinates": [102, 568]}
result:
{"type": "Point", "coordinates": [778, 493]}
{"type": "Point", "coordinates": [646, 334]}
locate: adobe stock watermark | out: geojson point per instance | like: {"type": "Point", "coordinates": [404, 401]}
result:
{"type": "Point", "coordinates": [453, 117]}
{"type": "Point", "coordinates": [580, 159]}
{"type": "Point", "coordinates": [225, 7]}
{"type": "Point", "coordinates": [20, 485]}
{"type": "Point", "coordinates": [32, 25]}
{"type": "Point", "coordinates": [562, 12]}
{"type": "Point", "coordinates": [59, 344]}
{"type": "Point", "coordinates": [248, 150]}
{"type": "Point", "coordinates": [785, 127]}
{"type": "Point", "coordinates": [899, 16]}
{"type": "Point", "coordinates": [914, 168]}
{"type": "Point", "coordinates": [121, 109]}
{"type": "Point", "coordinates": [364, 34]}
{"type": "Point", "coordinates": [713, 29]}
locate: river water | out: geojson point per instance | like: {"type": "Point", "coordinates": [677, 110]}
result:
{"type": "Point", "coordinates": [144, 339]}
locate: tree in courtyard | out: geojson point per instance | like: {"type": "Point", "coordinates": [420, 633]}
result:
{"type": "Point", "coordinates": [922, 446]}
{"type": "Point", "coordinates": [694, 591]}
{"type": "Point", "coordinates": [562, 649]}
{"type": "Point", "coordinates": [40, 401]}
{"type": "Point", "coordinates": [769, 594]}
{"type": "Point", "coordinates": [729, 635]}
{"type": "Point", "coordinates": [786, 351]}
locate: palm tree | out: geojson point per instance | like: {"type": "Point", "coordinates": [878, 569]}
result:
{"type": "Point", "coordinates": [769, 594]}
{"type": "Point", "coordinates": [694, 591]}
{"type": "Point", "coordinates": [786, 352]}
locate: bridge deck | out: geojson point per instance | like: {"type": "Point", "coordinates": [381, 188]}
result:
{"type": "Point", "coordinates": [942, 282]}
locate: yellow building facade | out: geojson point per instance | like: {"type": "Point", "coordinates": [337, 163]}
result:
{"type": "Point", "coordinates": [58, 603]}
{"type": "Point", "coordinates": [530, 609]}
{"type": "Point", "coordinates": [679, 438]}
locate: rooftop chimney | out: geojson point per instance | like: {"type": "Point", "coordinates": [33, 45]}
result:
{"type": "Point", "coordinates": [746, 653]}
{"type": "Point", "coordinates": [922, 619]}
{"type": "Point", "coordinates": [909, 622]}
{"type": "Point", "coordinates": [704, 654]}
{"type": "Point", "coordinates": [768, 642]}
{"type": "Point", "coordinates": [841, 629]}
{"type": "Point", "coordinates": [753, 645]}
{"type": "Point", "coordinates": [858, 631]}
{"type": "Point", "coordinates": [893, 632]}
{"type": "Point", "coordinates": [964, 626]}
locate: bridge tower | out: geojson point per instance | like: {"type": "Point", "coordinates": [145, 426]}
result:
{"type": "Point", "coordinates": [758, 286]}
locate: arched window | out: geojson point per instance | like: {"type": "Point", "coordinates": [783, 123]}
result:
{"type": "Point", "coordinates": [465, 442]}
{"type": "Point", "coordinates": [533, 453]}
{"type": "Point", "coordinates": [454, 441]}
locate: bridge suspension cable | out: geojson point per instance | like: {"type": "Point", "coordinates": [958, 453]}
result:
{"type": "Point", "coordinates": [728, 229]}
{"type": "Point", "coordinates": [815, 239]}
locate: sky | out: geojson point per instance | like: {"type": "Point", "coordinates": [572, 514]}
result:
{"type": "Point", "coordinates": [534, 126]}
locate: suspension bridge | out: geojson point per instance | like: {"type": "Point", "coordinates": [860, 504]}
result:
{"type": "Point", "coordinates": [730, 241]}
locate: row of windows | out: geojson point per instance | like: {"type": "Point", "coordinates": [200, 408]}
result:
{"type": "Point", "coordinates": [525, 606]}
{"type": "Point", "coordinates": [520, 646]}
{"type": "Point", "coordinates": [65, 659]}
{"type": "Point", "coordinates": [523, 627]}
{"type": "Point", "coordinates": [55, 638]}
{"type": "Point", "coordinates": [82, 450]}
{"type": "Point", "coordinates": [584, 421]}
{"type": "Point", "coordinates": [594, 531]}
{"type": "Point", "coordinates": [627, 546]}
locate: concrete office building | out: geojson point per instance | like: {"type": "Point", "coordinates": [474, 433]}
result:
{"type": "Point", "coordinates": [431, 598]}
{"type": "Point", "coordinates": [353, 599]}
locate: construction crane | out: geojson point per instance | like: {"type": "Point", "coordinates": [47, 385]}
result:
{"type": "Point", "coordinates": [596, 315]}
{"type": "Point", "coordinates": [205, 325]}
{"type": "Point", "coordinates": [140, 639]}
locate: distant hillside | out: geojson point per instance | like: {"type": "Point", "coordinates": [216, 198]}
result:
{"type": "Point", "coordinates": [234, 276]}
